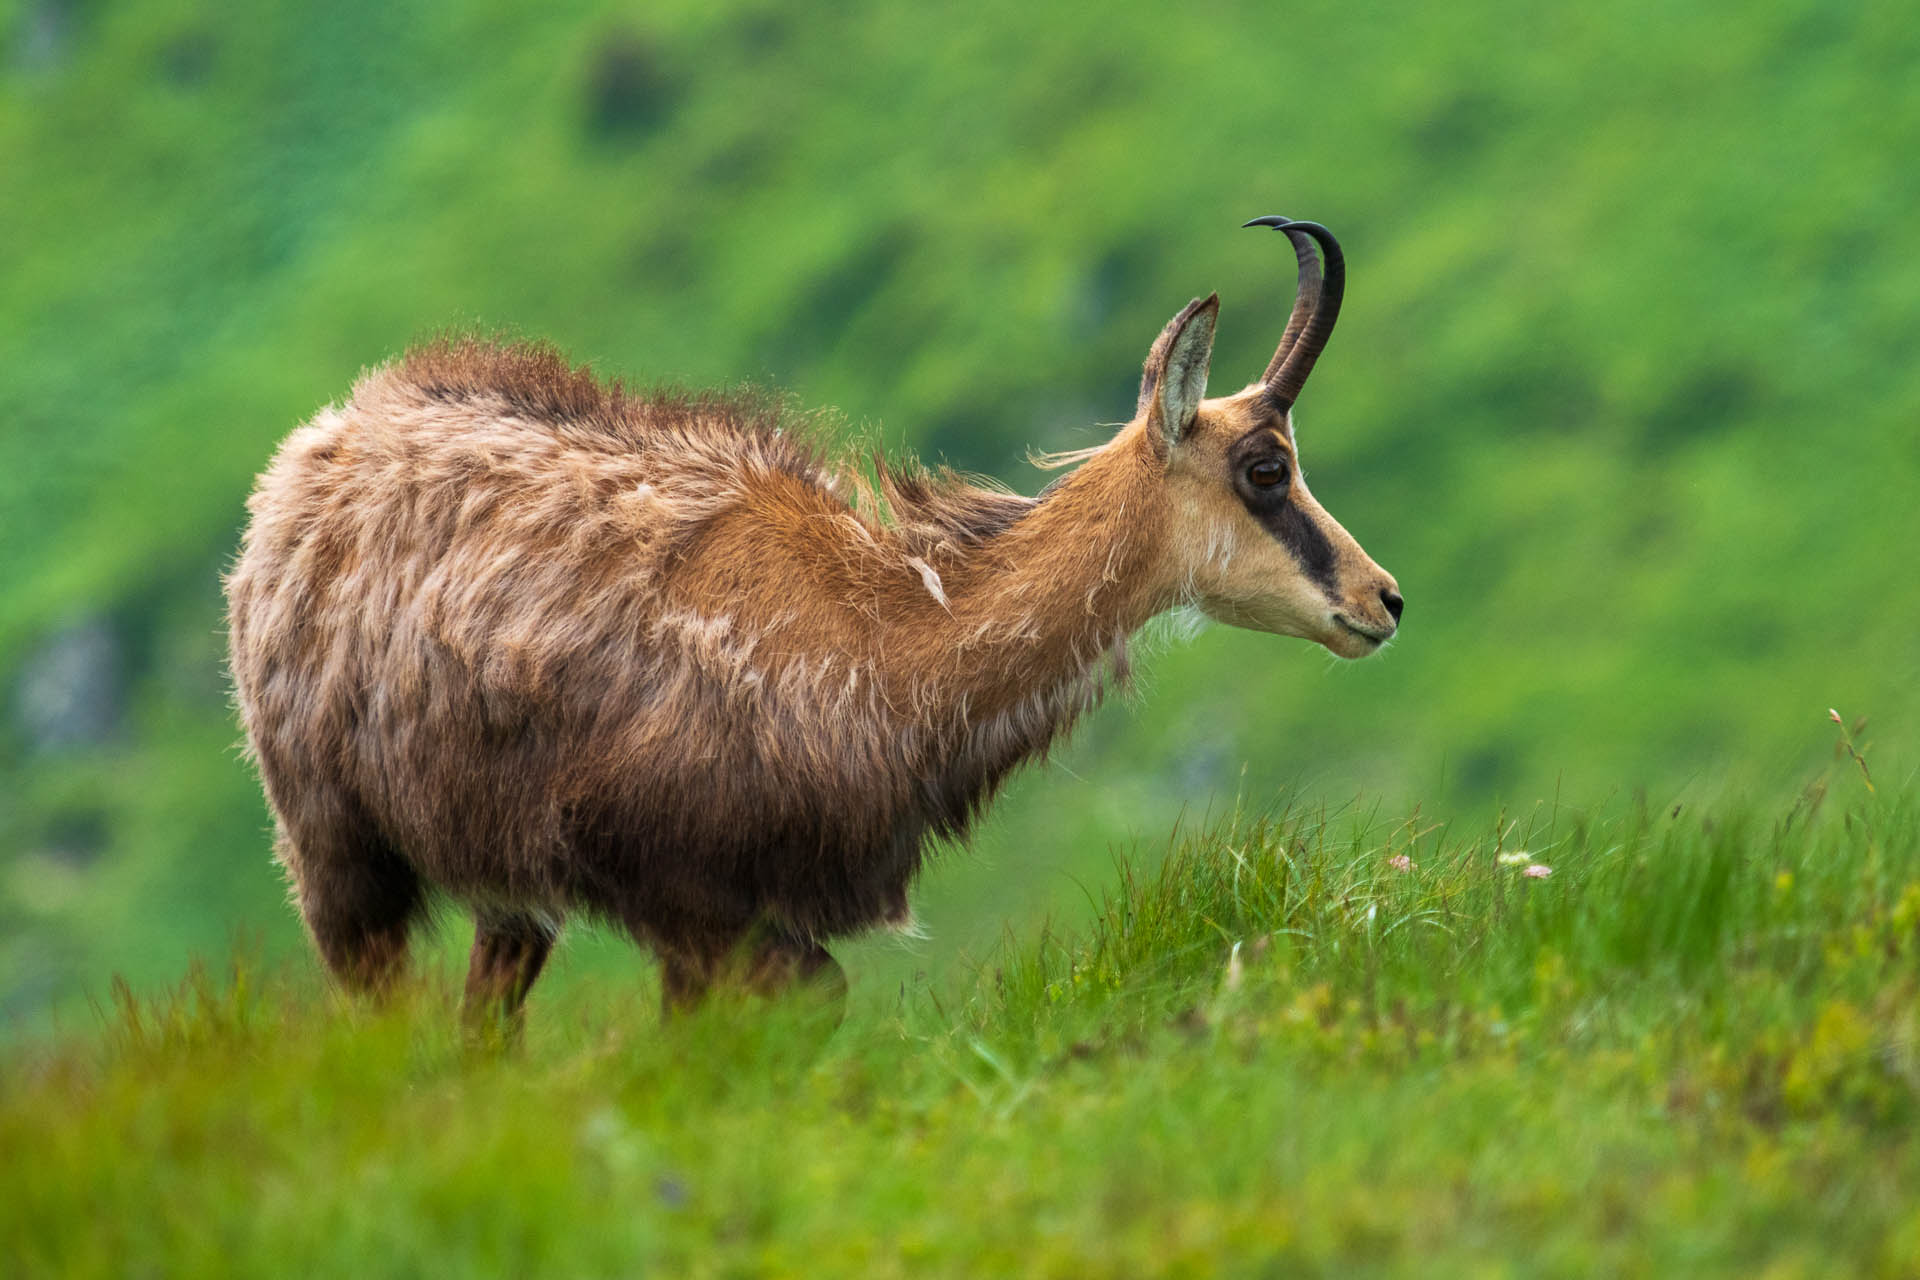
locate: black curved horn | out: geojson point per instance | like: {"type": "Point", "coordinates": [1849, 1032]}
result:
{"type": "Point", "coordinates": [1303, 296]}
{"type": "Point", "coordinates": [1316, 306]}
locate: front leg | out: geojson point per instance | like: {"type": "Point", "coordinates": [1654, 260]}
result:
{"type": "Point", "coordinates": [777, 963]}
{"type": "Point", "coordinates": [764, 962]}
{"type": "Point", "coordinates": [508, 953]}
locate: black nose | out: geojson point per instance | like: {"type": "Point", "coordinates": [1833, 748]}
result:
{"type": "Point", "coordinates": [1394, 603]}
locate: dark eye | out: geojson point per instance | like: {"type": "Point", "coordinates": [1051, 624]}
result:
{"type": "Point", "coordinates": [1267, 473]}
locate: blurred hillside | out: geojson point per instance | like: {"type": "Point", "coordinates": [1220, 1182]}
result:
{"type": "Point", "coordinates": [1624, 392]}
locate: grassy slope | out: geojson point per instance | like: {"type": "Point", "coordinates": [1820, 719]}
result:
{"type": "Point", "coordinates": [1622, 392]}
{"type": "Point", "coordinates": [1692, 1049]}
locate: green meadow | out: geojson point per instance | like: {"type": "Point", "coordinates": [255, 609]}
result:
{"type": "Point", "coordinates": [1253, 978]}
{"type": "Point", "coordinates": [1307, 1044]}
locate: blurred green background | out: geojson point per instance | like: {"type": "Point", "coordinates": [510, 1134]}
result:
{"type": "Point", "coordinates": [1625, 391]}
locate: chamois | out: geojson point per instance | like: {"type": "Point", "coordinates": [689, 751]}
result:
{"type": "Point", "coordinates": [552, 646]}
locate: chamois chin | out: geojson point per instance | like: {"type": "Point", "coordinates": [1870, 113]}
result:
{"type": "Point", "coordinates": [553, 646]}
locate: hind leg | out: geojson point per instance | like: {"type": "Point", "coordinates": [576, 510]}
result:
{"type": "Point", "coordinates": [359, 900]}
{"type": "Point", "coordinates": [508, 952]}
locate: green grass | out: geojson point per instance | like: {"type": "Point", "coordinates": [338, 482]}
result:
{"type": "Point", "coordinates": [1694, 1048]}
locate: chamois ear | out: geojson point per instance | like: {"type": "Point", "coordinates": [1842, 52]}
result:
{"type": "Point", "coordinates": [1175, 379]}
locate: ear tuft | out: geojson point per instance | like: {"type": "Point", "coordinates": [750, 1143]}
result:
{"type": "Point", "coordinates": [1174, 381]}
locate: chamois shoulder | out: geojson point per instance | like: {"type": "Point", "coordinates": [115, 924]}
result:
{"type": "Point", "coordinates": [938, 509]}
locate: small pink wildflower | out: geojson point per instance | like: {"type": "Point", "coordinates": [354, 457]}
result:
{"type": "Point", "coordinates": [1400, 862]}
{"type": "Point", "coordinates": [1538, 871]}
{"type": "Point", "coordinates": [1834, 716]}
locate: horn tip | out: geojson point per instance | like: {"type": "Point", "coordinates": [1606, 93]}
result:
{"type": "Point", "coordinates": [1274, 220]}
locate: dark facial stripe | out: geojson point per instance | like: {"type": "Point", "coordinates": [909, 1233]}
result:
{"type": "Point", "coordinates": [1300, 534]}
{"type": "Point", "coordinates": [1274, 507]}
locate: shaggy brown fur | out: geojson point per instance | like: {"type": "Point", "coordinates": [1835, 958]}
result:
{"type": "Point", "coordinates": [550, 646]}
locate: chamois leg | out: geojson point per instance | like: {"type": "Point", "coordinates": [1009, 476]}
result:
{"type": "Point", "coordinates": [508, 952]}
{"type": "Point", "coordinates": [777, 963]}
{"type": "Point", "coordinates": [359, 899]}
{"type": "Point", "coordinates": [685, 976]}
{"type": "Point", "coordinates": [763, 962]}
{"type": "Point", "coordinates": [806, 979]}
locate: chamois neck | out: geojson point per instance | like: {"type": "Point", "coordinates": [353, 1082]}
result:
{"type": "Point", "coordinates": [1054, 595]}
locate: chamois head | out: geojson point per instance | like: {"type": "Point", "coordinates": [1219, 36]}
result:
{"type": "Point", "coordinates": [1249, 542]}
